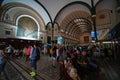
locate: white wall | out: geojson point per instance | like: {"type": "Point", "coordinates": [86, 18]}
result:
{"type": "Point", "coordinates": [4, 27]}
{"type": "Point", "coordinates": [110, 5]}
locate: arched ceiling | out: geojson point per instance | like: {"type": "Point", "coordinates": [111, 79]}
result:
{"type": "Point", "coordinates": [49, 8]}
{"type": "Point", "coordinates": [72, 16]}
{"type": "Point", "coordinates": [12, 11]}
{"type": "Point", "coordinates": [76, 23]}
{"type": "Point", "coordinates": [35, 6]}
{"type": "Point", "coordinates": [54, 6]}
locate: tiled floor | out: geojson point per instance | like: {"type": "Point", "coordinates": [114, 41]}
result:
{"type": "Point", "coordinates": [44, 68]}
{"type": "Point", "coordinates": [110, 69]}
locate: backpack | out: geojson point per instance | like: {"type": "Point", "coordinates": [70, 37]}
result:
{"type": "Point", "coordinates": [38, 55]}
{"type": "Point", "coordinates": [51, 51]}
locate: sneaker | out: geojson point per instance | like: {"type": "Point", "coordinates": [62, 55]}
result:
{"type": "Point", "coordinates": [33, 73]}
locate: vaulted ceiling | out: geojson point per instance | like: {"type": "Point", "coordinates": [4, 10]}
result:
{"type": "Point", "coordinates": [76, 23]}
{"type": "Point", "coordinates": [74, 17]}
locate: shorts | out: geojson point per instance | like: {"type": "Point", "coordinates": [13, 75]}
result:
{"type": "Point", "coordinates": [54, 58]}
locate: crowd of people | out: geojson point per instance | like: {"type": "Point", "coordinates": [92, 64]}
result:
{"type": "Point", "coordinates": [76, 63]}
{"type": "Point", "coordinates": [81, 62]}
{"type": "Point", "coordinates": [29, 52]}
